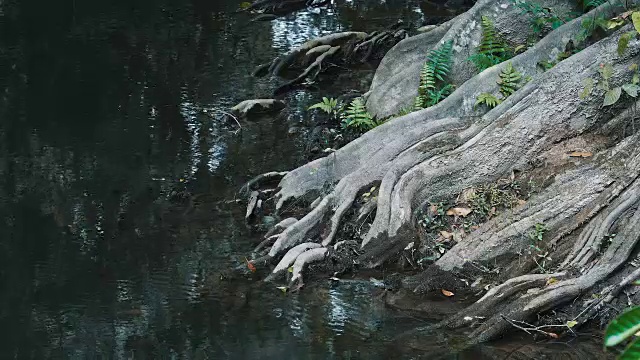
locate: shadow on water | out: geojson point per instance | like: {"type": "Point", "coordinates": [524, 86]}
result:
{"type": "Point", "coordinates": [118, 173]}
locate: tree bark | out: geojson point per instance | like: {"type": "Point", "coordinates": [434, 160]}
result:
{"type": "Point", "coordinates": [438, 152]}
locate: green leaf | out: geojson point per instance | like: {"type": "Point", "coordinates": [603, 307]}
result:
{"type": "Point", "coordinates": [631, 89]}
{"type": "Point", "coordinates": [612, 96]}
{"type": "Point", "coordinates": [614, 23]}
{"type": "Point", "coordinates": [588, 87]}
{"type": "Point", "coordinates": [631, 352]}
{"type": "Point", "coordinates": [623, 327]}
{"type": "Point", "coordinates": [607, 71]}
{"type": "Point", "coordinates": [623, 43]}
{"type": "Point", "coordinates": [635, 17]}
{"type": "Point", "coordinates": [245, 5]}
{"type": "Point", "coordinates": [571, 323]}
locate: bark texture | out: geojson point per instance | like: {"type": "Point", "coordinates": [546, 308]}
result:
{"type": "Point", "coordinates": [438, 152]}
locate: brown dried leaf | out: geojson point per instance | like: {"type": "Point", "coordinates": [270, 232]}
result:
{"type": "Point", "coordinates": [445, 234]}
{"type": "Point", "coordinates": [583, 154]}
{"type": "Point", "coordinates": [459, 211]}
{"type": "Point", "coordinates": [521, 202]}
{"type": "Point", "coordinates": [433, 209]}
{"type": "Point", "coordinates": [553, 335]}
{"type": "Point", "coordinates": [447, 293]}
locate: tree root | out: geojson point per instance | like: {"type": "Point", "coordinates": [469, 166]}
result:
{"type": "Point", "coordinates": [311, 58]}
{"type": "Point", "coordinates": [436, 153]}
{"type": "Point", "coordinates": [270, 176]}
{"type": "Point", "coordinates": [303, 260]}
{"type": "Point", "coordinates": [289, 258]}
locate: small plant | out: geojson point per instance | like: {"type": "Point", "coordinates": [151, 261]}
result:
{"type": "Point", "coordinates": [509, 81]}
{"type": "Point", "coordinates": [622, 328]}
{"type": "Point", "coordinates": [488, 99]}
{"type": "Point", "coordinates": [612, 95]}
{"type": "Point", "coordinates": [433, 86]}
{"type": "Point", "coordinates": [357, 117]}
{"type": "Point", "coordinates": [328, 105]}
{"type": "Point", "coordinates": [492, 49]}
{"type": "Point", "coordinates": [537, 233]}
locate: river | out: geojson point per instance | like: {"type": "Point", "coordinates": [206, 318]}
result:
{"type": "Point", "coordinates": [119, 227]}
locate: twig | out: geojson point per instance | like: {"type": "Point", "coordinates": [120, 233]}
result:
{"type": "Point", "coordinates": [232, 116]}
{"type": "Point", "coordinates": [531, 328]}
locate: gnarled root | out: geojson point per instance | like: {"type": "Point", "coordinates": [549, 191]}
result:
{"type": "Point", "coordinates": [303, 260]}
{"type": "Point", "coordinates": [289, 258]}
{"type": "Point", "coordinates": [436, 153]}
{"type": "Point", "coordinates": [313, 57]}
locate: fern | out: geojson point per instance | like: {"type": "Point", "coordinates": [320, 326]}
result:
{"type": "Point", "coordinates": [492, 49]}
{"type": "Point", "coordinates": [435, 96]}
{"type": "Point", "coordinates": [509, 80]}
{"type": "Point", "coordinates": [488, 99]}
{"type": "Point", "coordinates": [330, 106]}
{"type": "Point", "coordinates": [357, 117]}
{"type": "Point", "coordinates": [432, 87]}
{"type": "Point", "coordinates": [590, 4]}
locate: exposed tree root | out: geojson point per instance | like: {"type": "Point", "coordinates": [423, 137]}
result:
{"type": "Point", "coordinates": [303, 260]}
{"type": "Point", "coordinates": [289, 258]}
{"type": "Point", "coordinates": [314, 56]}
{"type": "Point", "coordinates": [438, 152]}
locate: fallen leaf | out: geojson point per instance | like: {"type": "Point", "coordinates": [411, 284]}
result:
{"type": "Point", "coordinates": [571, 323]}
{"type": "Point", "coordinates": [290, 269]}
{"type": "Point", "coordinates": [475, 227]}
{"type": "Point", "coordinates": [492, 211]}
{"type": "Point", "coordinates": [552, 281]}
{"type": "Point", "coordinates": [250, 265]}
{"type": "Point", "coordinates": [410, 246]}
{"type": "Point", "coordinates": [284, 289]}
{"type": "Point", "coordinates": [583, 154]}
{"type": "Point", "coordinates": [521, 202]}
{"type": "Point", "coordinates": [459, 211]}
{"type": "Point", "coordinates": [553, 335]}
{"type": "Point", "coordinates": [433, 209]}
{"type": "Point", "coordinates": [445, 234]}
{"type": "Point", "coordinates": [447, 293]}
{"type": "Point", "coordinates": [468, 318]}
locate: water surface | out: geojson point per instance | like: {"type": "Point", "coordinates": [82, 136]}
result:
{"type": "Point", "coordinates": [119, 230]}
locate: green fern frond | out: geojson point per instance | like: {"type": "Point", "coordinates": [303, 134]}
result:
{"type": "Point", "coordinates": [492, 49]}
{"type": "Point", "coordinates": [357, 117]}
{"type": "Point", "coordinates": [509, 80]}
{"type": "Point", "coordinates": [491, 44]}
{"type": "Point", "coordinates": [330, 106]}
{"type": "Point", "coordinates": [432, 87]}
{"type": "Point", "coordinates": [435, 96]}
{"type": "Point", "coordinates": [437, 66]}
{"type": "Point", "coordinates": [419, 103]}
{"type": "Point", "coordinates": [488, 99]}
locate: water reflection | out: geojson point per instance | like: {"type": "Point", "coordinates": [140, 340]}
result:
{"type": "Point", "coordinates": [117, 171]}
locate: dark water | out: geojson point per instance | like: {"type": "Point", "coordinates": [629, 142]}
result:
{"type": "Point", "coordinates": [118, 229]}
